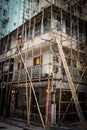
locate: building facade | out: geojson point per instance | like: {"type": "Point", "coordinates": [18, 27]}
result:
{"type": "Point", "coordinates": [40, 55]}
{"type": "Point", "coordinates": [13, 14]}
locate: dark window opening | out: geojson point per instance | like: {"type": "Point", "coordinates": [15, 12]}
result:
{"type": "Point", "coordinates": [5, 12]}
{"type": "Point", "coordinates": [27, 33]}
{"type": "Point", "coordinates": [38, 1]}
{"type": "Point", "coordinates": [81, 32]}
{"type": "Point", "coordinates": [38, 28]}
{"type": "Point", "coordinates": [14, 24]}
{"type": "Point", "coordinates": [9, 45]}
{"type": "Point", "coordinates": [67, 27]}
{"type": "Point", "coordinates": [47, 23]}
{"type": "Point", "coordinates": [3, 24]}
{"type": "Point", "coordinates": [30, 32]}
{"type": "Point", "coordinates": [57, 22]}
{"type": "Point", "coordinates": [74, 28]}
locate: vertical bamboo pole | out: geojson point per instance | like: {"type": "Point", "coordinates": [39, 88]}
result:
{"type": "Point", "coordinates": [71, 50]}
{"type": "Point", "coordinates": [60, 94]}
{"type": "Point", "coordinates": [60, 90]}
{"type": "Point", "coordinates": [47, 102]}
{"type": "Point", "coordinates": [29, 103]}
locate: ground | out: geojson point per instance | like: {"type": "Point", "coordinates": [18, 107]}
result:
{"type": "Point", "coordinates": [10, 124]}
{"type": "Point", "coordinates": [6, 126]}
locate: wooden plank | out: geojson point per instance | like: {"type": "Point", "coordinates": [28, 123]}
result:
{"type": "Point", "coordinates": [70, 81]}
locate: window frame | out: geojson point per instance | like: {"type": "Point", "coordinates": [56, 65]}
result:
{"type": "Point", "coordinates": [34, 61]}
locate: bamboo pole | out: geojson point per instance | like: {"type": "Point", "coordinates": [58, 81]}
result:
{"type": "Point", "coordinates": [47, 102]}
{"type": "Point", "coordinates": [29, 103]}
{"type": "Point", "coordinates": [60, 94]}
{"type": "Point", "coordinates": [32, 88]}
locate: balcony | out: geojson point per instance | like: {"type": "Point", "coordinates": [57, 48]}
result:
{"type": "Point", "coordinates": [35, 72]}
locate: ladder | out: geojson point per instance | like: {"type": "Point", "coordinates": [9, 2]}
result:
{"type": "Point", "coordinates": [31, 85]}
{"type": "Point", "coordinates": [70, 81]}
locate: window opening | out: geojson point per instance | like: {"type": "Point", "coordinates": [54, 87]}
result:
{"type": "Point", "coordinates": [57, 22]}
{"type": "Point", "coordinates": [47, 23]}
{"type": "Point", "coordinates": [38, 28]}
{"type": "Point", "coordinates": [37, 61]}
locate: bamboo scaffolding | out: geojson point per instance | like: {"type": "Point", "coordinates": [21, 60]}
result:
{"type": "Point", "coordinates": [71, 84]}
{"type": "Point", "coordinates": [32, 88]}
{"type": "Point", "coordinates": [72, 97]}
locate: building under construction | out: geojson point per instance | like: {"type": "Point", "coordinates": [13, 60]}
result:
{"type": "Point", "coordinates": [43, 66]}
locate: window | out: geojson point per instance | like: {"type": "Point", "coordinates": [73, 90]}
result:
{"type": "Point", "coordinates": [74, 28]}
{"type": "Point", "coordinates": [30, 32]}
{"type": "Point", "coordinates": [57, 22]}
{"type": "Point", "coordinates": [68, 27]}
{"type": "Point", "coordinates": [6, 2]}
{"type": "Point", "coordinates": [1, 48]}
{"type": "Point", "coordinates": [9, 44]}
{"type": "Point", "coordinates": [37, 61]}
{"type": "Point", "coordinates": [14, 24]}
{"type": "Point", "coordinates": [74, 32]}
{"type": "Point", "coordinates": [38, 28]}
{"type": "Point", "coordinates": [38, 1]}
{"type": "Point", "coordinates": [5, 12]}
{"type": "Point", "coordinates": [46, 23]}
{"type": "Point", "coordinates": [81, 31]}
{"type": "Point", "coordinates": [27, 33]}
{"type": "Point", "coordinates": [3, 24]}
{"type": "Point", "coordinates": [6, 66]}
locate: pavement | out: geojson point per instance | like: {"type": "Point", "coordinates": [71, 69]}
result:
{"type": "Point", "coordinates": [6, 126]}
{"type": "Point", "coordinates": [17, 124]}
